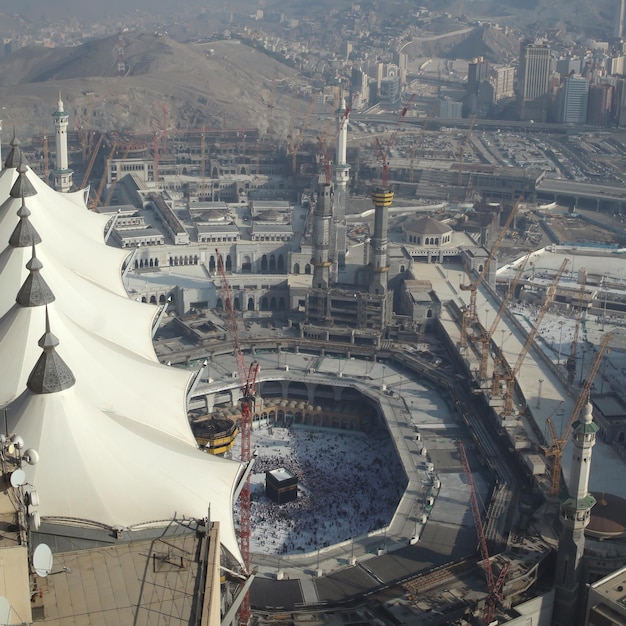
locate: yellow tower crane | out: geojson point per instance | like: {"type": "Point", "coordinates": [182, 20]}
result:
{"type": "Point", "coordinates": [510, 376]}
{"type": "Point", "coordinates": [486, 337]}
{"type": "Point", "coordinates": [570, 365]}
{"type": "Point", "coordinates": [473, 286]}
{"type": "Point", "coordinates": [558, 443]}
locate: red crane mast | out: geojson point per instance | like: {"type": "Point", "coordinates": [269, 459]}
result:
{"type": "Point", "coordinates": [247, 381]}
{"type": "Point", "coordinates": [494, 585]}
{"type": "Point", "coordinates": [383, 153]}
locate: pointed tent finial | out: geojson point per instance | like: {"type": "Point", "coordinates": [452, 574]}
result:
{"type": "Point", "coordinates": [50, 374]}
{"type": "Point", "coordinates": [22, 187]}
{"type": "Point", "coordinates": [24, 233]}
{"type": "Point", "coordinates": [15, 153]}
{"type": "Point", "coordinates": [34, 291]}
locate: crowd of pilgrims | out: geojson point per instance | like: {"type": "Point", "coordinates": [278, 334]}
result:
{"type": "Point", "coordinates": [348, 484]}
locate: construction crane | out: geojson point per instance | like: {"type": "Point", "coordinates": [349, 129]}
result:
{"type": "Point", "coordinates": [510, 376]}
{"type": "Point", "coordinates": [570, 365]}
{"type": "Point", "coordinates": [118, 173]}
{"type": "Point", "coordinates": [294, 142]}
{"type": "Point", "coordinates": [92, 160]}
{"type": "Point", "coordinates": [96, 200]}
{"type": "Point", "coordinates": [464, 145]}
{"type": "Point", "coordinates": [383, 153]}
{"type": "Point", "coordinates": [558, 443]}
{"type": "Point", "coordinates": [486, 337]}
{"type": "Point", "coordinates": [247, 381]}
{"type": "Point", "coordinates": [494, 585]}
{"type": "Point", "coordinates": [473, 286]}
{"type": "Point", "coordinates": [270, 106]}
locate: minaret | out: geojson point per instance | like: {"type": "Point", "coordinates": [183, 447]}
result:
{"type": "Point", "coordinates": [378, 267]}
{"type": "Point", "coordinates": [62, 173]}
{"type": "Point", "coordinates": [342, 176]}
{"type": "Point", "coordinates": [322, 216]}
{"type": "Point", "coordinates": [575, 515]}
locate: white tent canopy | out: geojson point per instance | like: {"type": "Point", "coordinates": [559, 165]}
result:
{"type": "Point", "coordinates": [108, 420]}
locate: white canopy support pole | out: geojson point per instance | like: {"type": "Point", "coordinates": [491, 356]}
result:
{"type": "Point", "coordinates": [131, 258]}
{"type": "Point", "coordinates": [112, 226]}
{"type": "Point", "coordinates": [229, 616]}
{"type": "Point", "coordinates": [196, 380]}
{"type": "Point", "coordinates": [159, 317]}
{"type": "Point", "coordinates": [243, 477]}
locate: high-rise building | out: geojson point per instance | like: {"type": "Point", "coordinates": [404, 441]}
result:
{"type": "Point", "coordinates": [503, 79]}
{"type": "Point", "coordinates": [532, 81]}
{"type": "Point", "coordinates": [574, 95]}
{"type": "Point", "coordinates": [600, 103]}
{"type": "Point", "coordinates": [566, 67]}
{"type": "Point", "coordinates": [477, 72]}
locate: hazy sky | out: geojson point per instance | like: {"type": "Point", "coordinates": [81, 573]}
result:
{"type": "Point", "coordinates": [33, 9]}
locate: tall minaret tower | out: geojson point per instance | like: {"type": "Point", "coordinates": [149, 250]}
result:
{"type": "Point", "coordinates": [62, 173]}
{"type": "Point", "coordinates": [322, 216]}
{"type": "Point", "coordinates": [342, 176]}
{"type": "Point", "coordinates": [378, 266]}
{"type": "Point", "coordinates": [575, 514]}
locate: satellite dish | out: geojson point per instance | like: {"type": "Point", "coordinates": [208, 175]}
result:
{"type": "Point", "coordinates": [18, 477]}
{"type": "Point", "coordinates": [17, 441]}
{"type": "Point", "coordinates": [32, 498]}
{"type": "Point", "coordinates": [42, 560]}
{"type": "Point", "coordinates": [31, 456]}
{"type": "Point", "coordinates": [34, 520]}
{"type": "Point", "coordinates": [11, 449]}
{"type": "Point", "coordinates": [5, 611]}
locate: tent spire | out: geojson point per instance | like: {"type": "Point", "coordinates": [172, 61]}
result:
{"type": "Point", "coordinates": [50, 374]}
{"type": "Point", "coordinates": [22, 187]}
{"type": "Point", "coordinates": [24, 233]}
{"type": "Point", "coordinates": [15, 153]}
{"type": "Point", "coordinates": [34, 291]}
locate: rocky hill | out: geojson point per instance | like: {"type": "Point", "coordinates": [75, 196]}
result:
{"type": "Point", "coordinates": [126, 84]}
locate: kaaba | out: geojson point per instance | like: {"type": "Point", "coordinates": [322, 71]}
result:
{"type": "Point", "coordinates": [281, 485]}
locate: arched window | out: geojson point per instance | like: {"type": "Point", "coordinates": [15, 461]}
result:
{"type": "Point", "coordinates": [429, 313]}
{"type": "Point", "coordinates": [250, 304]}
{"type": "Point", "coordinates": [212, 264]}
{"type": "Point", "coordinates": [229, 263]}
{"type": "Point", "coordinates": [280, 268]}
{"type": "Point", "coordinates": [162, 299]}
{"type": "Point", "coordinates": [264, 306]}
{"type": "Point", "coordinates": [272, 264]}
{"type": "Point", "coordinates": [402, 269]}
{"type": "Point", "coordinates": [236, 304]}
{"type": "Point", "coordinates": [153, 300]}
{"type": "Point", "coordinates": [246, 266]}
{"type": "Point", "coordinates": [307, 269]}
{"type": "Point", "coordinates": [272, 304]}
{"type": "Point", "coordinates": [296, 268]}
{"type": "Point", "coordinates": [264, 263]}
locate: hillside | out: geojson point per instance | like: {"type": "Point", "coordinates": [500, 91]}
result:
{"type": "Point", "coordinates": [216, 84]}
